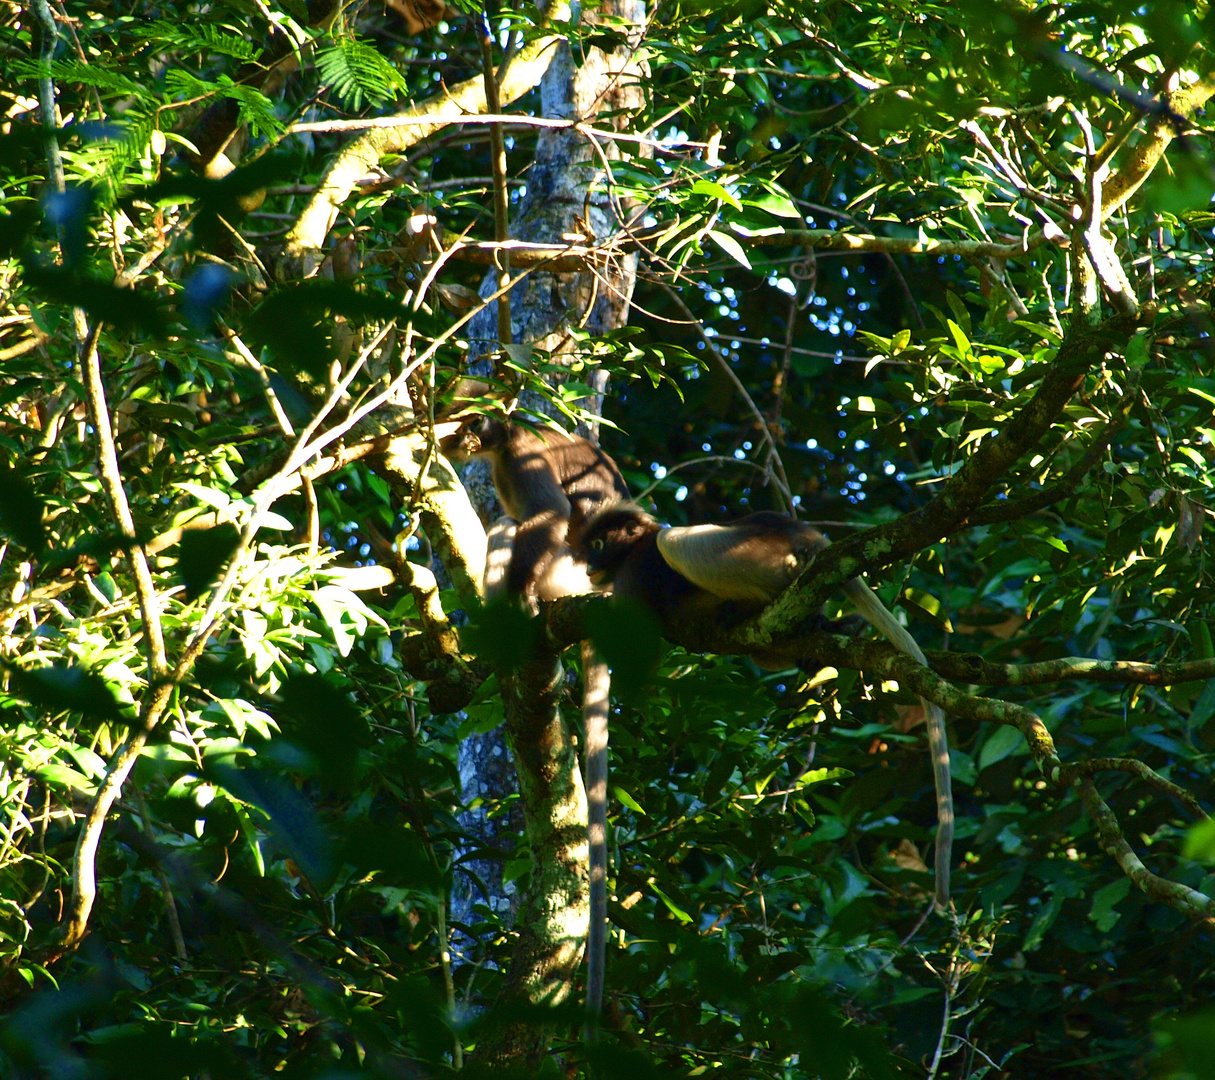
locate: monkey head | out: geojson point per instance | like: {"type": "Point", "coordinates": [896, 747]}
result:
{"type": "Point", "coordinates": [476, 435]}
{"type": "Point", "coordinates": [607, 539]}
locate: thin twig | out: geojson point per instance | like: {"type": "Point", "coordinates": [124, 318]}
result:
{"type": "Point", "coordinates": [166, 887]}
{"type": "Point", "coordinates": [497, 147]}
{"type": "Point", "coordinates": [781, 479]}
{"type": "Point", "coordinates": [245, 356]}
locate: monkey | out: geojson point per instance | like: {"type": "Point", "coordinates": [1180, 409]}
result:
{"type": "Point", "coordinates": [728, 572]}
{"type": "Point", "coordinates": [549, 484]}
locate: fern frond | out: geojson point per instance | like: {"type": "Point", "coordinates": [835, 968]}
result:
{"type": "Point", "coordinates": [71, 71]}
{"type": "Point", "coordinates": [105, 163]}
{"type": "Point", "coordinates": [180, 83]}
{"type": "Point", "coordinates": [256, 109]}
{"type": "Point", "coordinates": [187, 39]}
{"type": "Point", "coordinates": [357, 72]}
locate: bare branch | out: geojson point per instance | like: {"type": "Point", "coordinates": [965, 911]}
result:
{"type": "Point", "coordinates": [1109, 833]}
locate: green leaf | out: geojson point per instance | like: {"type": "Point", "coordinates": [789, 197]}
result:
{"type": "Point", "coordinates": [926, 607]}
{"type": "Point", "coordinates": [62, 776]}
{"type": "Point", "coordinates": [731, 247]}
{"type": "Point", "coordinates": [716, 191]}
{"type": "Point", "coordinates": [1002, 742]}
{"type": "Point", "coordinates": [57, 688]}
{"type": "Point", "coordinates": [1189, 1042]}
{"type": "Point", "coordinates": [1105, 900]}
{"type": "Point", "coordinates": [671, 906]}
{"type": "Point", "coordinates": [359, 73]}
{"type": "Point", "coordinates": [628, 800]}
{"type": "Point", "coordinates": [1137, 351]}
{"type": "Point", "coordinates": [345, 614]}
{"type": "Point", "coordinates": [191, 37]}
{"type": "Point", "coordinates": [503, 633]}
{"type": "Point", "coordinates": [777, 204]}
{"type": "Point", "coordinates": [211, 496]}
{"type": "Point", "coordinates": [1042, 923]}
{"type": "Point", "coordinates": [821, 776]}
{"type": "Point", "coordinates": [293, 822]}
{"type": "Point", "coordinates": [959, 337]}
{"type": "Point", "coordinates": [324, 722]}
{"type": "Point", "coordinates": [1204, 708]}
{"type": "Point", "coordinates": [628, 637]}
{"type": "Point", "coordinates": [1200, 842]}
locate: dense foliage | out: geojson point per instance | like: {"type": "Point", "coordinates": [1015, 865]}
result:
{"type": "Point", "coordinates": [878, 245]}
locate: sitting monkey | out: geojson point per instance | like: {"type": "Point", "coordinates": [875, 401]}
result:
{"type": "Point", "coordinates": [725, 572]}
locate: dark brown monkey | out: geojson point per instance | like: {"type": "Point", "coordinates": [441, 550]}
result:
{"type": "Point", "coordinates": [726, 572]}
{"type": "Point", "coordinates": [550, 483]}
{"type": "Point", "coordinates": [547, 481]}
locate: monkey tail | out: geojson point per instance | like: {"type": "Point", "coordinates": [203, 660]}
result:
{"type": "Point", "coordinates": [888, 626]}
{"type": "Point", "coordinates": [596, 687]}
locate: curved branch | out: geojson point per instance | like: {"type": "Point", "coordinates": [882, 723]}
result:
{"type": "Point", "coordinates": [1109, 833]}
{"type": "Point", "coordinates": [967, 667]}
{"type": "Point", "coordinates": [308, 233]}
{"type": "Point", "coordinates": [1149, 150]}
{"type": "Point", "coordinates": [1075, 771]}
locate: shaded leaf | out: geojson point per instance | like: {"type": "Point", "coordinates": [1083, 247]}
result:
{"type": "Point", "coordinates": [21, 511]}
{"type": "Point", "coordinates": [202, 554]}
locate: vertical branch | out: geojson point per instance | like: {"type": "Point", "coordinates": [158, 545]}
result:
{"type": "Point", "coordinates": [805, 274]}
{"type": "Point", "coordinates": [156, 698]}
{"type": "Point", "coordinates": [449, 986]}
{"type": "Point", "coordinates": [497, 146]}
{"type": "Point", "coordinates": [120, 509]}
{"type": "Point", "coordinates": [46, 92]}
{"type": "Point", "coordinates": [1101, 255]}
{"type": "Point", "coordinates": [1086, 297]}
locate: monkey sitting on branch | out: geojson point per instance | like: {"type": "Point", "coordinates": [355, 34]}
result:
{"type": "Point", "coordinates": [550, 483]}
{"type": "Point", "coordinates": [547, 482]}
{"type": "Point", "coordinates": [723, 573]}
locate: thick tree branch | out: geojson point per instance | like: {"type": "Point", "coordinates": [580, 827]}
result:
{"type": "Point", "coordinates": [552, 923]}
{"type": "Point", "coordinates": [967, 667]}
{"type": "Point", "coordinates": [1147, 153]}
{"type": "Point", "coordinates": [1080, 352]}
{"type": "Point", "coordinates": [308, 234]}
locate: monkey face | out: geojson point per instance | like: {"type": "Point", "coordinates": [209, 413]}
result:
{"type": "Point", "coordinates": [476, 435]}
{"type": "Point", "coordinates": [608, 539]}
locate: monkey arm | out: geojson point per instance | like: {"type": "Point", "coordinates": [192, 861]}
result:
{"type": "Point", "coordinates": [499, 544]}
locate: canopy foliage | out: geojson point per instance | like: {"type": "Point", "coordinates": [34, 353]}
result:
{"type": "Point", "coordinates": [934, 277]}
